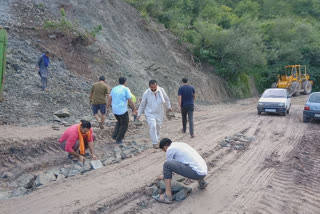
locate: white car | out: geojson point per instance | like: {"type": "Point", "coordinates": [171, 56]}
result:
{"type": "Point", "coordinates": [275, 100]}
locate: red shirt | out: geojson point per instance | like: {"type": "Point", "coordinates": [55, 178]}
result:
{"type": "Point", "coordinates": [71, 135]}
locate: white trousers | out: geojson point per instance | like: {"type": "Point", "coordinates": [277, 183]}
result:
{"type": "Point", "coordinates": [154, 125]}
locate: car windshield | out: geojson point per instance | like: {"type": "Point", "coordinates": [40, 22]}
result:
{"type": "Point", "coordinates": [314, 98]}
{"type": "Point", "coordinates": [274, 94]}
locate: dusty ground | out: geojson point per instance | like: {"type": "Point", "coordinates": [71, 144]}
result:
{"type": "Point", "coordinates": [276, 173]}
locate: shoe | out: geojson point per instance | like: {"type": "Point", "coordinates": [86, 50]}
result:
{"type": "Point", "coordinates": [101, 125]}
{"type": "Point", "coordinates": [166, 199]}
{"type": "Point", "coordinates": [119, 142]}
{"type": "Point", "coordinates": [155, 146]}
{"type": "Point", "coordinates": [192, 136]}
{"type": "Point", "coordinates": [202, 184]}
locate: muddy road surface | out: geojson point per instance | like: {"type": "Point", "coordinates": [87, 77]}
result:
{"type": "Point", "coordinates": [276, 172]}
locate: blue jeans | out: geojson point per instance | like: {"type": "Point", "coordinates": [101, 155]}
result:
{"type": "Point", "coordinates": [44, 82]}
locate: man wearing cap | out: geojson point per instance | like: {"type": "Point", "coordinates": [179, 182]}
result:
{"type": "Point", "coordinates": [98, 99]}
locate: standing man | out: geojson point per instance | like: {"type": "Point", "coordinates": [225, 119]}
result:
{"type": "Point", "coordinates": [187, 96]}
{"type": "Point", "coordinates": [152, 105]}
{"type": "Point", "coordinates": [98, 99]}
{"type": "Point", "coordinates": [183, 160]}
{"type": "Point", "coordinates": [42, 67]}
{"type": "Point", "coordinates": [119, 98]}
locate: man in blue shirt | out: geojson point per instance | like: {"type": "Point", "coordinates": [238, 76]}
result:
{"type": "Point", "coordinates": [187, 96]}
{"type": "Point", "coordinates": [42, 67]}
{"type": "Point", "coordinates": [119, 98]}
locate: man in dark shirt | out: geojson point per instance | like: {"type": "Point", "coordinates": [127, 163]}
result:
{"type": "Point", "coordinates": [187, 96]}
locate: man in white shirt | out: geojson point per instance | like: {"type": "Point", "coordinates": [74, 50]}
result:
{"type": "Point", "coordinates": [181, 159]}
{"type": "Point", "coordinates": [152, 103]}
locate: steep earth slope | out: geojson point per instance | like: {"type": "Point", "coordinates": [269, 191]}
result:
{"type": "Point", "coordinates": [128, 45]}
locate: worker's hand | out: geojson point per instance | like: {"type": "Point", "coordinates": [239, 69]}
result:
{"type": "Point", "coordinates": [81, 159]}
{"type": "Point", "coordinates": [94, 157]}
{"type": "Point", "coordinates": [169, 109]}
{"type": "Point", "coordinates": [135, 113]}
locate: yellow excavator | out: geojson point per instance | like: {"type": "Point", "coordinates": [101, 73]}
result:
{"type": "Point", "coordinates": [294, 78]}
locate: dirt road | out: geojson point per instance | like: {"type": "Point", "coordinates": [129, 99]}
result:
{"type": "Point", "coordinates": [276, 173]}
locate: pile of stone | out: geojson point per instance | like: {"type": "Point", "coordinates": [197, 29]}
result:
{"type": "Point", "coordinates": [124, 151]}
{"type": "Point", "coordinates": [237, 142]}
{"type": "Point", "coordinates": [179, 190]}
{"type": "Point", "coordinates": [27, 183]}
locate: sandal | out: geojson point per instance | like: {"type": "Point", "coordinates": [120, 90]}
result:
{"type": "Point", "coordinates": [202, 184]}
{"type": "Point", "coordinates": [166, 199]}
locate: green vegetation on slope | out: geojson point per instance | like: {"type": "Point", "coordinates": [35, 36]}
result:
{"type": "Point", "coordinates": [243, 38]}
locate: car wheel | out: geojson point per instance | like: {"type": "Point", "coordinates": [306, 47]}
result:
{"type": "Point", "coordinates": [306, 120]}
{"type": "Point", "coordinates": [259, 112]}
{"type": "Point", "coordinates": [284, 113]}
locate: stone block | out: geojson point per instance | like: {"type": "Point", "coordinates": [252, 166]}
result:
{"type": "Point", "coordinates": [96, 164]}
{"type": "Point", "coordinates": [18, 192]}
{"type": "Point", "coordinates": [181, 195]}
{"type": "Point", "coordinates": [42, 179]}
{"type": "Point", "coordinates": [62, 113]}
{"type": "Point", "coordinates": [25, 180]}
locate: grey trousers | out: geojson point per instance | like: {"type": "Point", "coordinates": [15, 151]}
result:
{"type": "Point", "coordinates": [44, 82]}
{"type": "Point", "coordinates": [181, 169]}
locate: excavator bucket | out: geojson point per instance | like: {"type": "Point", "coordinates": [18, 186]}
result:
{"type": "Point", "coordinates": [3, 54]}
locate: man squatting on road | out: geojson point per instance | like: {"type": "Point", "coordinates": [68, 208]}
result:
{"type": "Point", "coordinates": [183, 160]}
{"type": "Point", "coordinates": [76, 139]}
{"type": "Point", "coordinates": [151, 104]}
{"type": "Point", "coordinates": [98, 99]}
{"type": "Point", "coordinates": [186, 95]}
{"type": "Point", "coordinates": [119, 98]}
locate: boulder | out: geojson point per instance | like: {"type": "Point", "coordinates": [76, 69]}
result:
{"type": "Point", "coordinates": [62, 113]}
{"type": "Point", "coordinates": [42, 179]}
{"type": "Point", "coordinates": [75, 170]}
{"type": "Point", "coordinates": [108, 161]}
{"type": "Point", "coordinates": [56, 119]}
{"type": "Point", "coordinates": [96, 164]}
{"type": "Point", "coordinates": [175, 186]}
{"type": "Point", "coordinates": [86, 167]}
{"type": "Point", "coordinates": [25, 180]}
{"type": "Point", "coordinates": [19, 192]}
{"type": "Point", "coordinates": [123, 155]}
{"type": "Point", "coordinates": [151, 191]}
{"type": "Point", "coordinates": [181, 195]}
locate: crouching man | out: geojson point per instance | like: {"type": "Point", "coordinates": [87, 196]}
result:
{"type": "Point", "coordinates": [76, 139]}
{"type": "Point", "coordinates": [183, 160]}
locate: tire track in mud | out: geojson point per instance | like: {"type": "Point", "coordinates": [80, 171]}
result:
{"type": "Point", "coordinates": [295, 186]}
{"type": "Point", "coordinates": [30, 155]}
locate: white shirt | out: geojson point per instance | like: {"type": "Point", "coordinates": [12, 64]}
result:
{"type": "Point", "coordinates": [152, 103]}
{"type": "Point", "coordinates": [185, 154]}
